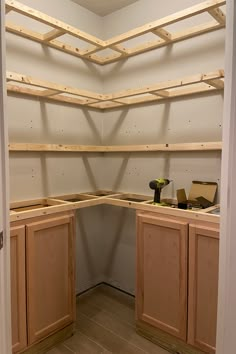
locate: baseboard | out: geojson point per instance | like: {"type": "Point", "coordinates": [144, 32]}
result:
{"type": "Point", "coordinates": [49, 342]}
{"type": "Point", "coordinates": [100, 284]}
{"type": "Point", "coordinates": [164, 340]}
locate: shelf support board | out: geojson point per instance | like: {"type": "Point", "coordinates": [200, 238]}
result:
{"type": "Point", "coordinates": [175, 37]}
{"type": "Point", "coordinates": [189, 85]}
{"type": "Point", "coordinates": [218, 15]}
{"type": "Point", "coordinates": [163, 34]}
{"type": "Point", "coordinates": [48, 20]}
{"type": "Point", "coordinates": [218, 84]}
{"type": "Point", "coordinates": [28, 80]}
{"type": "Point", "coordinates": [181, 15]}
{"type": "Point", "coordinates": [47, 93]}
{"type": "Point", "coordinates": [206, 146]}
{"type": "Point", "coordinates": [38, 93]}
{"type": "Point", "coordinates": [60, 28]}
{"type": "Point", "coordinates": [52, 35]}
{"type": "Point", "coordinates": [161, 93]}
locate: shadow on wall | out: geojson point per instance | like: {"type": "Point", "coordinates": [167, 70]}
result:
{"type": "Point", "coordinates": [133, 122]}
{"type": "Point", "coordinates": [108, 267]}
{"type": "Point", "coordinates": [119, 121]}
{"type": "Point", "coordinates": [97, 135]}
{"type": "Point", "coordinates": [151, 62]}
{"type": "Point", "coordinates": [86, 122]}
{"type": "Point", "coordinates": [118, 180]}
{"type": "Point", "coordinates": [44, 174]}
{"type": "Point", "coordinates": [90, 174]}
{"type": "Point", "coordinates": [40, 55]}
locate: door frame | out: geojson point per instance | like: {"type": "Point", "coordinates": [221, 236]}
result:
{"type": "Point", "coordinates": [227, 285]}
{"type": "Point", "coordinates": [5, 298]}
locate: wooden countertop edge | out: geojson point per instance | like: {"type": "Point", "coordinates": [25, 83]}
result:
{"type": "Point", "coordinates": [112, 200]}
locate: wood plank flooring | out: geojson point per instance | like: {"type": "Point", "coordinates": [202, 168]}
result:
{"type": "Point", "coordinates": [106, 324]}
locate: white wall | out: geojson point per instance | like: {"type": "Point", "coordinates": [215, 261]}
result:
{"type": "Point", "coordinates": [194, 119]}
{"type": "Point", "coordinates": [36, 175]}
{"type": "Point", "coordinates": [106, 247]}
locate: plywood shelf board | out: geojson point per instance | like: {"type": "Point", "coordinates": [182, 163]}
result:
{"type": "Point", "coordinates": [203, 146]}
{"type": "Point", "coordinates": [59, 28]}
{"type": "Point", "coordinates": [190, 85]}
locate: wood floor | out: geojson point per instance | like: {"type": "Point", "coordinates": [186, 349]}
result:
{"type": "Point", "coordinates": [105, 324]}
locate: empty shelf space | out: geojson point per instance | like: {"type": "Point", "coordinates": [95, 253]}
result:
{"type": "Point", "coordinates": [203, 146]}
{"type": "Point", "coordinates": [117, 44]}
{"type": "Point", "coordinates": [190, 85]}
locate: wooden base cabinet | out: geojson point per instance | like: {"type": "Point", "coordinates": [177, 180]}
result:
{"type": "Point", "coordinates": [161, 297]}
{"type": "Point", "coordinates": [174, 254]}
{"type": "Point", "coordinates": [18, 288]}
{"type": "Point", "coordinates": [203, 287]}
{"type": "Point", "coordinates": [50, 275]}
{"type": "Point", "coordinates": [49, 267]}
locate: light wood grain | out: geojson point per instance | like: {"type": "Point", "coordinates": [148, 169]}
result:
{"type": "Point", "coordinates": [203, 287]}
{"type": "Point", "coordinates": [18, 285]}
{"type": "Point", "coordinates": [161, 295]}
{"type": "Point", "coordinates": [48, 20]}
{"type": "Point", "coordinates": [50, 275]}
{"type": "Point", "coordinates": [60, 28]}
{"type": "Point", "coordinates": [190, 85]}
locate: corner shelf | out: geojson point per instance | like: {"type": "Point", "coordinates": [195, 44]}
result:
{"type": "Point", "coordinates": [200, 83]}
{"type": "Point", "coordinates": [31, 208]}
{"type": "Point", "coordinates": [59, 28]}
{"type": "Point", "coordinates": [206, 146]}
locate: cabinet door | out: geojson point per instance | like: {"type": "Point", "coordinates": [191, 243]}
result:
{"type": "Point", "coordinates": [18, 291]}
{"type": "Point", "coordinates": [162, 274]}
{"type": "Point", "coordinates": [203, 287]}
{"type": "Point", "coordinates": [50, 275]}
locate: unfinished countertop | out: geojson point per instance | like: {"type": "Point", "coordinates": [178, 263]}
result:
{"type": "Point", "coordinates": [38, 207]}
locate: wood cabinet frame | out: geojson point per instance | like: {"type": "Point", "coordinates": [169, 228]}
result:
{"type": "Point", "coordinates": [181, 330]}
{"type": "Point", "coordinates": [193, 319]}
{"type": "Point", "coordinates": [31, 228]}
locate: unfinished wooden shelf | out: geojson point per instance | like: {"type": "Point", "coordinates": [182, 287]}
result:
{"type": "Point", "coordinates": [206, 146]}
{"type": "Point", "coordinates": [117, 45]}
{"type": "Point", "coordinates": [200, 83]}
{"type": "Point", "coordinates": [47, 206]}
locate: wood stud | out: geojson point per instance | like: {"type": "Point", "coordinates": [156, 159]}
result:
{"type": "Point", "coordinates": [60, 28]}
{"type": "Point", "coordinates": [207, 146]}
{"type": "Point", "coordinates": [164, 90]}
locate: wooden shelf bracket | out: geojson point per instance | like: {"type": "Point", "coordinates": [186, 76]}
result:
{"type": "Point", "coordinates": [190, 85]}
{"type": "Point", "coordinates": [117, 43]}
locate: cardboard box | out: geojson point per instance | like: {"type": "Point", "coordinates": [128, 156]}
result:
{"type": "Point", "coordinates": [205, 191]}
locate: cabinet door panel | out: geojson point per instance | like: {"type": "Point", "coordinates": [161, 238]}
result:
{"type": "Point", "coordinates": [50, 270]}
{"type": "Point", "coordinates": [18, 288]}
{"type": "Point", "coordinates": [203, 287]}
{"type": "Point", "coordinates": [162, 274]}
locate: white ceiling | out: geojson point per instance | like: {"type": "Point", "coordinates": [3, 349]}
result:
{"type": "Point", "coordinates": [104, 7]}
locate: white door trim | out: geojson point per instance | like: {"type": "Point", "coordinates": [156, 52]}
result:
{"type": "Point", "coordinates": [227, 280]}
{"type": "Point", "coordinates": [5, 299]}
